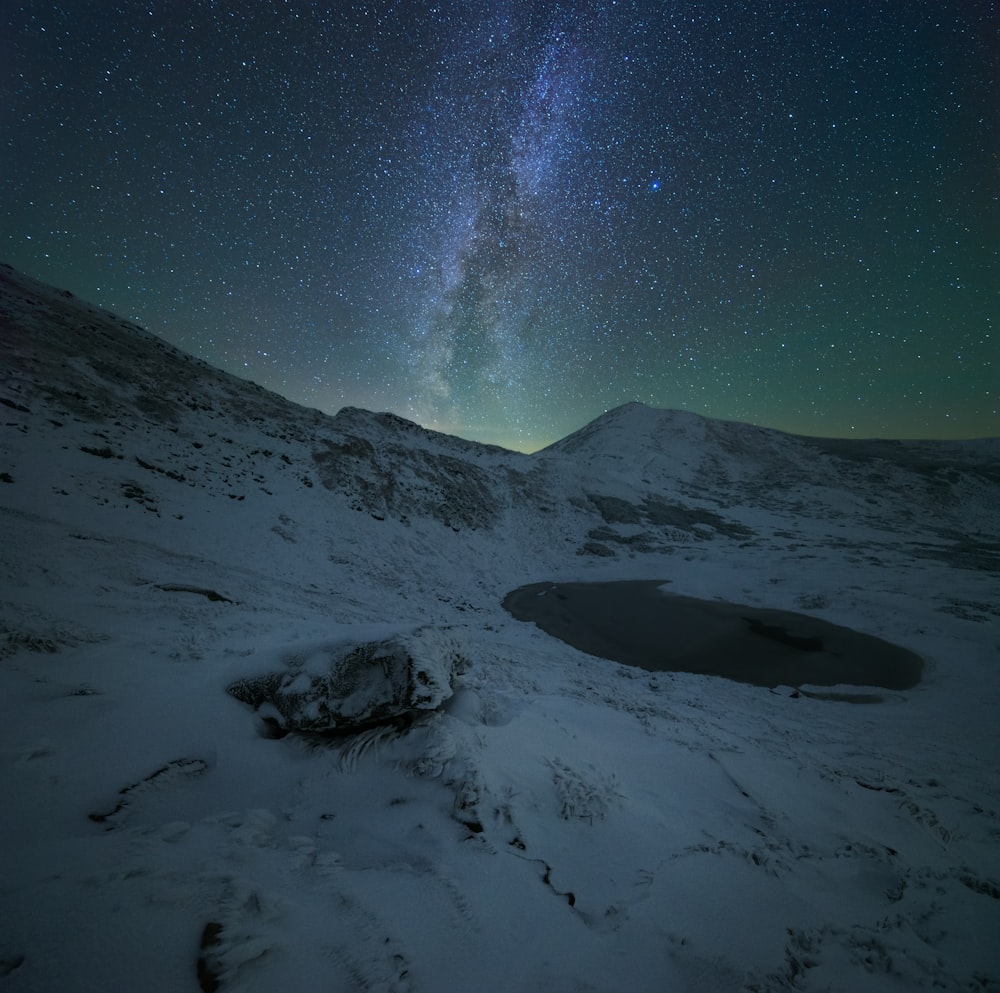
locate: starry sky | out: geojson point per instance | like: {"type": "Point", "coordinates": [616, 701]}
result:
{"type": "Point", "coordinates": [500, 218]}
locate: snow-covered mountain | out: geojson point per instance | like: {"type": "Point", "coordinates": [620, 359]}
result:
{"type": "Point", "coordinates": [268, 725]}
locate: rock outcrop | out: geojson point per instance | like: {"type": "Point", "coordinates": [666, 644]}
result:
{"type": "Point", "coordinates": [349, 687]}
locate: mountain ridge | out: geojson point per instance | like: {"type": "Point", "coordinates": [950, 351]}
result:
{"type": "Point", "coordinates": [635, 479]}
{"type": "Point", "coordinates": [90, 317]}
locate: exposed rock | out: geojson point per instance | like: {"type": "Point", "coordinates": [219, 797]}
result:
{"type": "Point", "coordinates": [615, 510]}
{"type": "Point", "coordinates": [394, 480]}
{"type": "Point", "coordinates": [347, 687]}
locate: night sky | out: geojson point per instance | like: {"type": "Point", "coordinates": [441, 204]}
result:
{"type": "Point", "coordinates": [500, 218]}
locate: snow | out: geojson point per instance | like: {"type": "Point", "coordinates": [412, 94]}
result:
{"type": "Point", "coordinates": [560, 822]}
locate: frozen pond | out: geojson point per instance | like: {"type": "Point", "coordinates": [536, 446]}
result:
{"type": "Point", "coordinates": [637, 623]}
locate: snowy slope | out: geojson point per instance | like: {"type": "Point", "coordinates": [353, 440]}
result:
{"type": "Point", "coordinates": [560, 822]}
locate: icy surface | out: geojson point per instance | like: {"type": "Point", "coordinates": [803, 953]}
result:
{"type": "Point", "coordinates": [560, 822]}
{"type": "Point", "coordinates": [641, 623]}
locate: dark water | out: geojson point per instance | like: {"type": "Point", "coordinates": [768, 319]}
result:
{"type": "Point", "coordinates": [636, 623]}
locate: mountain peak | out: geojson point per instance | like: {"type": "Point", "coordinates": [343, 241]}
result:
{"type": "Point", "coordinates": [635, 422]}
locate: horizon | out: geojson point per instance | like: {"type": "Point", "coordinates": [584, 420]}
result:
{"type": "Point", "coordinates": [950, 430]}
{"type": "Point", "coordinates": [457, 431]}
{"type": "Point", "coordinates": [731, 420]}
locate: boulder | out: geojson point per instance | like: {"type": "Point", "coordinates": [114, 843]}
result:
{"type": "Point", "coordinates": [347, 687]}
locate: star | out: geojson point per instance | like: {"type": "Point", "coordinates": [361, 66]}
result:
{"type": "Point", "coordinates": [501, 220]}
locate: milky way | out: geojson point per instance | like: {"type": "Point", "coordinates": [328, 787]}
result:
{"type": "Point", "coordinates": [502, 218]}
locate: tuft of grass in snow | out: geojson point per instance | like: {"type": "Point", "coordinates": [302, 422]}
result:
{"type": "Point", "coordinates": [584, 795]}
